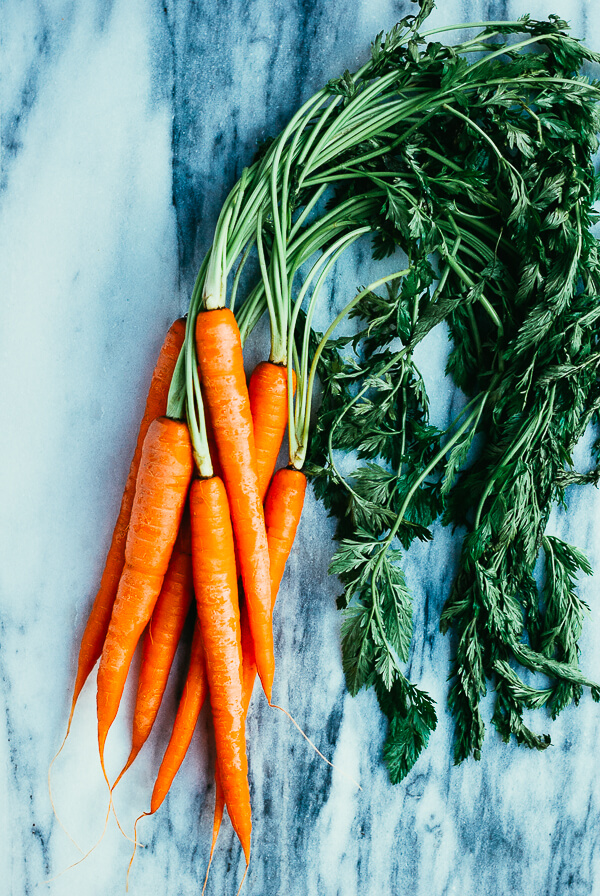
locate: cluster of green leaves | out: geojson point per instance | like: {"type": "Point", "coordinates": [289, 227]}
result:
{"type": "Point", "coordinates": [376, 410]}
{"type": "Point", "coordinates": [488, 187]}
{"type": "Point", "coordinates": [478, 168]}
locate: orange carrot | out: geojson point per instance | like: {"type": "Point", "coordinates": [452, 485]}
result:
{"type": "Point", "coordinates": [192, 700]}
{"type": "Point", "coordinates": [248, 679]}
{"type": "Point", "coordinates": [162, 485]}
{"type": "Point", "coordinates": [161, 640]}
{"type": "Point", "coordinates": [225, 393]}
{"type": "Point", "coordinates": [97, 625]}
{"type": "Point", "coordinates": [215, 584]}
{"type": "Point", "coordinates": [283, 509]}
{"type": "Point", "coordinates": [268, 394]}
{"type": "Point", "coordinates": [217, 819]}
{"type": "Point", "coordinates": [195, 688]}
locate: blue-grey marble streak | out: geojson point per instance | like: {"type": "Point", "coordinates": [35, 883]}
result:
{"type": "Point", "coordinates": [123, 126]}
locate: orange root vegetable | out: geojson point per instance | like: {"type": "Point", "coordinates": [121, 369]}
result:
{"type": "Point", "coordinates": [217, 820]}
{"type": "Point", "coordinates": [94, 634]}
{"type": "Point", "coordinates": [283, 509]}
{"type": "Point", "coordinates": [225, 393]}
{"type": "Point", "coordinates": [163, 481]}
{"type": "Point", "coordinates": [248, 680]}
{"type": "Point", "coordinates": [268, 391]}
{"type": "Point", "coordinates": [161, 640]}
{"type": "Point", "coordinates": [215, 584]}
{"type": "Point", "coordinates": [190, 704]}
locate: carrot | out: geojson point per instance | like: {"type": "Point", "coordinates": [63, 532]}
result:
{"type": "Point", "coordinates": [215, 584]}
{"type": "Point", "coordinates": [162, 485]}
{"type": "Point", "coordinates": [225, 393]}
{"type": "Point", "coordinates": [248, 679]}
{"type": "Point", "coordinates": [217, 819]}
{"type": "Point", "coordinates": [268, 392]}
{"type": "Point", "coordinates": [192, 700]}
{"type": "Point", "coordinates": [161, 640]}
{"type": "Point", "coordinates": [94, 634]}
{"type": "Point", "coordinates": [283, 508]}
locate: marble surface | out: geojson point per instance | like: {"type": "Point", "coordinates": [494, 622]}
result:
{"type": "Point", "coordinates": [124, 124]}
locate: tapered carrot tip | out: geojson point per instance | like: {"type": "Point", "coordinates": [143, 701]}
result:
{"type": "Point", "coordinates": [245, 873]}
{"type": "Point", "coordinates": [102, 735]}
{"type": "Point", "coordinates": [162, 485]}
{"type": "Point", "coordinates": [218, 818]}
{"type": "Point", "coordinates": [93, 637]}
{"type": "Point", "coordinates": [218, 614]}
{"type": "Point", "coordinates": [130, 759]}
{"type": "Point", "coordinates": [190, 704]}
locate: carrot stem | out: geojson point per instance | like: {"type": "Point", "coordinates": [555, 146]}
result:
{"type": "Point", "coordinates": [238, 273]}
{"type": "Point", "coordinates": [297, 459]}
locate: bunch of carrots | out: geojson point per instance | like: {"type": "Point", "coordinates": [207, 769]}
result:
{"type": "Point", "coordinates": [205, 520]}
{"type": "Point", "coordinates": [193, 519]}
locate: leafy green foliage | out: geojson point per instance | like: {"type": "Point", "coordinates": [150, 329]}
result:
{"type": "Point", "coordinates": [411, 719]}
{"type": "Point", "coordinates": [490, 181]}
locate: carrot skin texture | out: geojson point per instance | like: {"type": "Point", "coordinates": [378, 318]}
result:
{"type": "Point", "coordinates": [283, 508]}
{"type": "Point", "coordinates": [215, 584]}
{"type": "Point", "coordinates": [94, 634]}
{"type": "Point", "coordinates": [220, 362]}
{"type": "Point", "coordinates": [268, 392]}
{"type": "Point", "coordinates": [217, 819]}
{"type": "Point", "coordinates": [248, 680]}
{"type": "Point", "coordinates": [192, 699]}
{"type": "Point", "coordinates": [162, 485]}
{"type": "Point", "coordinates": [162, 638]}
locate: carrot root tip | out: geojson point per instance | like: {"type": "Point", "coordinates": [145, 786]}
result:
{"type": "Point", "coordinates": [89, 852]}
{"type": "Point", "coordinates": [245, 873]}
{"type": "Point", "coordinates": [315, 748]}
{"type": "Point", "coordinates": [136, 843]}
{"type": "Point", "coordinates": [132, 756]}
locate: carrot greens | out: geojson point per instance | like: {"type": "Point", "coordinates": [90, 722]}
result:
{"type": "Point", "coordinates": [489, 192]}
{"type": "Point", "coordinates": [474, 163]}
{"type": "Point", "coordinates": [470, 169]}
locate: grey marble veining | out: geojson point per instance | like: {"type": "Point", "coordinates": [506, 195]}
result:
{"type": "Point", "coordinates": [123, 126]}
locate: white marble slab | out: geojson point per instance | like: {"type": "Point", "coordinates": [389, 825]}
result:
{"type": "Point", "coordinates": [124, 124]}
